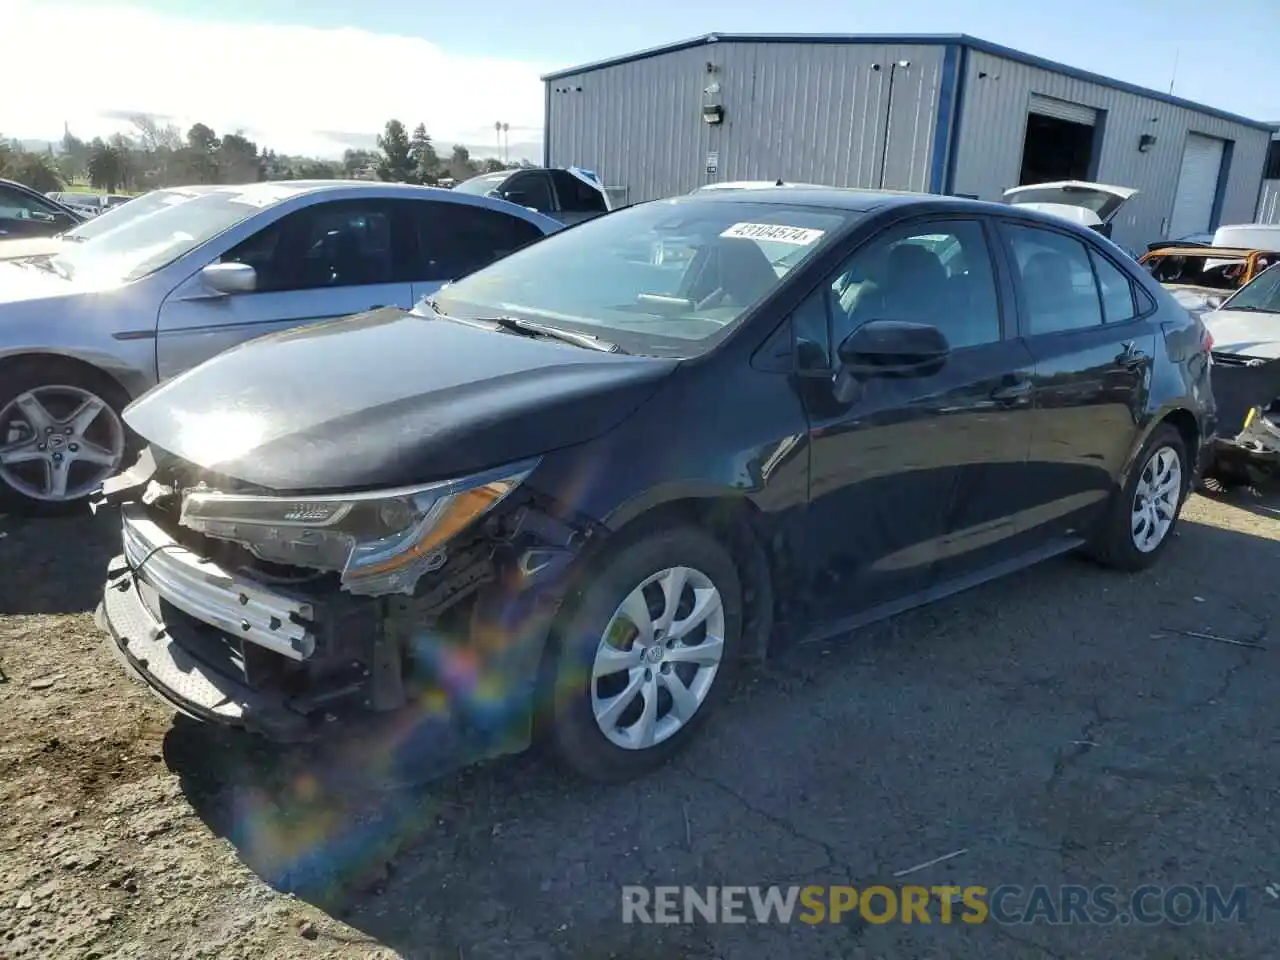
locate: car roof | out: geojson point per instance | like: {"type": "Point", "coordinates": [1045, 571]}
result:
{"type": "Point", "coordinates": [287, 188]}
{"type": "Point", "coordinates": [858, 200]}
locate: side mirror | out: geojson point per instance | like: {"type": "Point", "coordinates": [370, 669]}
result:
{"type": "Point", "coordinates": [894, 348]}
{"type": "Point", "coordinates": [230, 278]}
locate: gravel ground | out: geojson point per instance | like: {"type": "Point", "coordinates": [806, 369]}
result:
{"type": "Point", "coordinates": [1054, 726]}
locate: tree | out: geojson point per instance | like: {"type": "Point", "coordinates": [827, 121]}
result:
{"type": "Point", "coordinates": [126, 163]}
{"type": "Point", "coordinates": [424, 155]}
{"type": "Point", "coordinates": [238, 160]}
{"type": "Point", "coordinates": [154, 136]}
{"type": "Point", "coordinates": [307, 169]}
{"type": "Point", "coordinates": [356, 162]}
{"type": "Point", "coordinates": [396, 164]}
{"type": "Point", "coordinates": [461, 166]}
{"type": "Point", "coordinates": [36, 170]}
{"type": "Point", "coordinates": [73, 163]}
{"type": "Point", "coordinates": [199, 158]}
{"type": "Point", "coordinates": [492, 165]}
{"type": "Point", "coordinates": [104, 165]}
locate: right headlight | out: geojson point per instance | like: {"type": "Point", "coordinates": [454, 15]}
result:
{"type": "Point", "coordinates": [381, 542]}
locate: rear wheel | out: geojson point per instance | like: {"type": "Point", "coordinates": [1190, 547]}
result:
{"type": "Point", "coordinates": [61, 434]}
{"type": "Point", "coordinates": [1144, 514]}
{"type": "Point", "coordinates": [646, 654]}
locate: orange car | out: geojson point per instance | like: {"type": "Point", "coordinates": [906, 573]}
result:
{"type": "Point", "coordinates": [1202, 277]}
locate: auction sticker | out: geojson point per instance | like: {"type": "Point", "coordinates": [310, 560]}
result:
{"type": "Point", "coordinates": [778, 233]}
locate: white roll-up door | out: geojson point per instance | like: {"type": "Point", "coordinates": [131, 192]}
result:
{"type": "Point", "coordinates": [1197, 186]}
{"type": "Point", "coordinates": [1063, 110]}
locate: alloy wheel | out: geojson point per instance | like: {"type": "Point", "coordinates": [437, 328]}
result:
{"type": "Point", "coordinates": [658, 658]}
{"type": "Point", "coordinates": [59, 442]}
{"type": "Point", "coordinates": [1155, 500]}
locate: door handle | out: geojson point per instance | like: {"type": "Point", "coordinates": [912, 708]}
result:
{"type": "Point", "coordinates": [1011, 393]}
{"type": "Point", "coordinates": [1130, 357]}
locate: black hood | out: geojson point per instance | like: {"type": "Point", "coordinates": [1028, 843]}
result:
{"type": "Point", "coordinates": [388, 399]}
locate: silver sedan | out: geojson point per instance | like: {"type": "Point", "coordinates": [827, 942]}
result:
{"type": "Point", "coordinates": [86, 330]}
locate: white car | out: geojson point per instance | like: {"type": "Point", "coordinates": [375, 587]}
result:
{"type": "Point", "coordinates": [88, 329]}
{"type": "Point", "coordinates": [1092, 205]}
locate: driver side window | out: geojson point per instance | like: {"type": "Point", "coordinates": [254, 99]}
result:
{"type": "Point", "coordinates": [936, 272]}
{"type": "Point", "coordinates": [346, 243]}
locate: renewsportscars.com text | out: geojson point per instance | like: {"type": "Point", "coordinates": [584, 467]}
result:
{"type": "Point", "coordinates": [1006, 904]}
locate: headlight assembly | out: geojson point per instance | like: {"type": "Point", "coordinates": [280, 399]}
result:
{"type": "Point", "coordinates": [381, 542]}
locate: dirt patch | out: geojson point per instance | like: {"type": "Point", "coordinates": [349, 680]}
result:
{"type": "Point", "coordinates": [101, 853]}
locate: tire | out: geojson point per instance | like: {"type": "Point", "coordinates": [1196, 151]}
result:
{"type": "Point", "coordinates": [44, 469]}
{"type": "Point", "coordinates": [578, 741]}
{"type": "Point", "coordinates": [1116, 544]}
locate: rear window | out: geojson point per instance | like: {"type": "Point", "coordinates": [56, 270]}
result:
{"type": "Point", "coordinates": [481, 185]}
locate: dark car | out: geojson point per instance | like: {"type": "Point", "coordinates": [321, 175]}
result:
{"type": "Point", "coordinates": [570, 195]}
{"type": "Point", "coordinates": [1190, 240]}
{"type": "Point", "coordinates": [567, 495]}
{"type": "Point", "coordinates": [27, 213]}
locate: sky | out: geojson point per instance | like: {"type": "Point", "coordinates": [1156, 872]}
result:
{"type": "Point", "coordinates": [318, 76]}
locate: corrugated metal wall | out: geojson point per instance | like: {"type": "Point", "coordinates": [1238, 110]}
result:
{"type": "Point", "coordinates": [996, 93]}
{"type": "Point", "coordinates": [817, 113]}
{"type": "Point", "coordinates": [1269, 202]}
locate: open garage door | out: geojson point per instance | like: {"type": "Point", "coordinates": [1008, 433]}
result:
{"type": "Point", "coordinates": [1059, 141]}
{"type": "Point", "coordinates": [1197, 186]}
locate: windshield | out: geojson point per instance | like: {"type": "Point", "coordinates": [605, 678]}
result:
{"type": "Point", "coordinates": [667, 274]}
{"type": "Point", "coordinates": [481, 185]}
{"type": "Point", "coordinates": [140, 245]}
{"type": "Point", "coordinates": [1262, 293]}
{"type": "Point", "coordinates": [115, 217]}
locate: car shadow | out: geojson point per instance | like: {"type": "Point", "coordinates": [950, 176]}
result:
{"type": "Point", "coordinates": [62, 559]}
{"type": "Point", "coordinates": [1262, 500]}
{"type": "Point", "coordinates": [513, 853]}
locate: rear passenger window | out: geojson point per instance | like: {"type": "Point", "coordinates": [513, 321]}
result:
{"type": "Point", "coordinates": [1058, 288]}
{"type": "Point", "coordinates": [457, 239]}
{"type": "Point", "coordinates": [1117, 290]}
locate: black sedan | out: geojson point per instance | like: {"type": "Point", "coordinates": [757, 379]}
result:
{"type": "Point", "coordinates": [26, 213]}
{"type": "Point", "coordinates": [569, 494]}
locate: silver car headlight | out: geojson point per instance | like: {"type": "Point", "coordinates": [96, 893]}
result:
{"type": "Point", "coordinates": [380, 542]}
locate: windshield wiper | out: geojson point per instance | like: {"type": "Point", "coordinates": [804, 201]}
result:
{"type": "Point", "coordinates": [1250, 309]}
{"type": "Point", "coordinates": [531, 328]}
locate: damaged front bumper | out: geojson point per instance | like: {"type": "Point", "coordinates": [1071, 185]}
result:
{"type": "Point", "coordinates": [189, 630]}
{"type": "Point", "coordinates": [296, 659]}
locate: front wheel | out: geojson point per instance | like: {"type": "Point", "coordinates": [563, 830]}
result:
{"type": "Point", "coordinates": [61, 434]}
{"type": "Point", "coordinates": [645, 654]}
{"type": "Point", "coordinates": [1143, 515]}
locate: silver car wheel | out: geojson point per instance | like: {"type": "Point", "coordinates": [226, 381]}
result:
{"type": "Point", "coordinates": [59, 442]}
{"type": "Point", "coordinates": [658, 658]}
{"type": "Point", "coordinates": [1155, 500]}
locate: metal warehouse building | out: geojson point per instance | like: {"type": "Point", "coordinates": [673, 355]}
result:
{"type": "Point", "coordinates": [1269, 203]}
{"type": "Point", "coordinates": [943, 114]}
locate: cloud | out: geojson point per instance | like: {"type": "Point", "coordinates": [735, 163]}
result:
{"type": "Point", "coordinates": [292, 88]}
